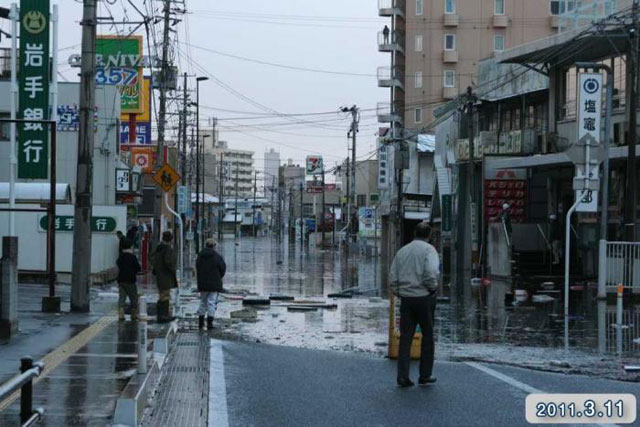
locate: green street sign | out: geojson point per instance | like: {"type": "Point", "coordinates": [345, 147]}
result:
{"type": "Point", "coordinates": [119, 63]}
{"type": "Point", "coordinates": [446, 213]}
{"type": "Point", "coordinates": [33, 86]}
{"type": "Point", "coordinates": [99, 224]}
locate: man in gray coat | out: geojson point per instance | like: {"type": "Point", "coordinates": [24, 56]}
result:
{"type": "Point", "coordinates": [414, 279]}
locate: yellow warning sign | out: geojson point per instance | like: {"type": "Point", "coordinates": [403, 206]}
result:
{"type": "Point", "coordinates": [166, 177]}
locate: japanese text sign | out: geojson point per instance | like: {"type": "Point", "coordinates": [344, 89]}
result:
{"type": "Point", "coordinates": [589, 105]}
{"type": "Point", "coordinates": [33, 151]}
{"type": "Point", "coordinates": [99, 224]}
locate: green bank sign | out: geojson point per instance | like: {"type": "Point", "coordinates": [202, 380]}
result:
{"type": "Point", "coordinates": [99, 224]}
{"type": "Point", "coordinates": [33, 142]}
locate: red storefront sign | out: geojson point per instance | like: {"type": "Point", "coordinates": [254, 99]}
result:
{"type": "Point", "coordinates": [498, 192]}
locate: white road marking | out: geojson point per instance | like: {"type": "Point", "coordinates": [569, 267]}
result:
{"type": "Point", "coordinates": [505, 378]}
{"type": "Point", "coordinates": [218, 416]}
{"type": "Point", "coordinates": [515, 383]}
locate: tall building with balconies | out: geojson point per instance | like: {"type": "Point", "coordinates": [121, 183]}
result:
{"type": "Point", "coordinates": [237, 167]}
{"type": "Point", "coordinates": [435, 45]}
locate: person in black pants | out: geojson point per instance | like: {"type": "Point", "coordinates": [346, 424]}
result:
{"type": "Point", "coordinates": [414, 279]}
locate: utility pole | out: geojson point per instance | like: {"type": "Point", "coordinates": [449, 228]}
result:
{"type": "Point", "coordinates": [162, 113]}
{"type": "Point", "coordinates": [253, 218]}
{"type": "Point", "coordinates": [631, 195]}
{"type": "Point", "coordinates": [348, 205]}
{"type": "Point", "coordinates": [471, 182]}
{"type": "Point", "coordinates": [235, 217]}
{"type": "Point", "coordinates": [222, 205]}
{"type": "Point", "coordinates": [184, 130]}
{"type": "Point", "coordinates": [301, 217]}
{"type": "Point", "coordinates": [323, 207]}
{"type": "Point", "coordinates": [81, 265]}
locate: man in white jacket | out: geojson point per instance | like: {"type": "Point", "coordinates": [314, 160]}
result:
{"type": "Point", "coordinates": [414, 279]}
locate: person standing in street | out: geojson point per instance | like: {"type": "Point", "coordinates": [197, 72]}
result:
{"type": "Point", "coordinates": [414, 279]}
{"type": "Point", "coordinates": [128, 269]}
{"type": "Point", "coordinates": [210, 270]}
{"type": "Point", "coordinates": [164, 268]}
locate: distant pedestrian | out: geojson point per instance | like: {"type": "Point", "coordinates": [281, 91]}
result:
{"type": "Point", "coordinates": [385, 34]}
{"type": "Point", "coordinates": [121, 240]}
{"type": "Point", "coordinates": [414, 279]}
{"type": "Point", "coordinates": [128, 269]}
{"type": "Point", "coordinates": [164, 268]}
{"type": "Point", "coordinates": [210, 270]}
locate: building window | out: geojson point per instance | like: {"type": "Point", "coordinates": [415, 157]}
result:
{"type": "Point", "coordinates": [559, 7]}
{"type": "Point", "coordinates": [449, 78]}
{"type": "Point", "coordinates": [449, 6]}
{"type": "Point", "coordinates": [498, 7]}
{"type": "Point", "coordinates": [419, 7]}
{"type": "Point", "coordinates": [418, 46]}
{"type": "Point", "coordinates": [418, 82]}
{"type": "Point", "coordinates": [498, 42]}
{"type": "Point", "coordinates": [5, 127]}
{"type": "Point", "coordinates": [418, 115]}
{"type": "Point", "coordinates": [362, 200]}
{"type": "Point", "coordinates": [449, 42]}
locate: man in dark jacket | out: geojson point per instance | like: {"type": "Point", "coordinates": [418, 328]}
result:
{"type": "Point", "coordinates": [164, 268]}
{"type": "Point", "coordinates": [210, 268]}
{"type": "Point", "coordinates": [128, 269]}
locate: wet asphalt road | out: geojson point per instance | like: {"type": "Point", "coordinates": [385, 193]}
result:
{"type": "Point", "coordinates": [272, 385]}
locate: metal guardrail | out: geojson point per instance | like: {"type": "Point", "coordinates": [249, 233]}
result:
{"type": "Point", "coordinates": [24, 382]}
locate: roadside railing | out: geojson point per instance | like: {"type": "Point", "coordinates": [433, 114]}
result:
{"type": "Point", "coordinates": [24, 382]}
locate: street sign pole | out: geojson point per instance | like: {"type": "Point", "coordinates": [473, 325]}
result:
{"type": "Point", "coordinates": [589, 116]}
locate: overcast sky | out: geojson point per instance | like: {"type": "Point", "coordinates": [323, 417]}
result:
{"type": "Point", "coordinates": [330, 35]}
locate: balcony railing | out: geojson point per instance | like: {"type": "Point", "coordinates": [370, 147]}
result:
{"type": "Point", "coordinates": [386, 114]}
{"type": "Point", "coordinates": [391, 7]}
{"type": "Point", "coordinates": [390, 76]}
{"type": "Point", "coordinates": [391, 41]}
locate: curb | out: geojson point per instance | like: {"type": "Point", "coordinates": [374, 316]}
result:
{"type": "Point", "coordinates": [135, 396]}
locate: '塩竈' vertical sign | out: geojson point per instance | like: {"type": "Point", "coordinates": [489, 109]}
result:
{"type": "Point", "coordinates": [33, 150]}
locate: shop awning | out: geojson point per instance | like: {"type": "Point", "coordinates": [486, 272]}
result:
{"type": "Point", "coordinates": [35, 192]}
{"type": "Point", "coordinates": [422, 215]}
{"type": "Point", "coordinates": [541, 160]}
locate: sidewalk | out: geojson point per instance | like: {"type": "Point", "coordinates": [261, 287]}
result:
{"type": "Point", "coordinates": [89, 358]}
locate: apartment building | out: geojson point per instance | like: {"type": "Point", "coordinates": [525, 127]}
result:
{"type": "Point", "coordinates": [436, 45]}
{"type": "Point", "coordinates": [237, 167]}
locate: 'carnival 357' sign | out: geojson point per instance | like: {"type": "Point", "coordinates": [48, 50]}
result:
{"type": "Point", "coordinates": [33, 150]}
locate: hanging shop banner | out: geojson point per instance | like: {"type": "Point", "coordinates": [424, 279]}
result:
{"type": "Point", "coordinates": [118, 63]}
{"type": "Point", "coordinates": [99, 224]}
{"type": "Point", "coordinates": [123, 180]}
{"type": "Point", "coordinates": [33, 150]}
{"type": "Point", "coordinates": [143, 133]}
{"type": "Point", "coordinates": [384, 168]}
{"type": "Point", "coordinates": [314, 165]}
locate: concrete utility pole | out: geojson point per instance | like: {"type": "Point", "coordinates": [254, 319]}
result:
{"type": "Point", "coordinates": [322, 221]}
{"type": "Point", "coordinates": [631, 195]}
{"type": "Point", "coordinates": [235, 215]}
{"type": "Point", "coordinates": [81, 265]}
{"type": "Point", "coordinates": [162, 113]}
{"type": "Point", "coordinates": [471, 183]}
{"type": "Point", "coordinates": [221, 200]}
{"type": "Point", "coordinates": [253, 218]}
{"type": "Point", "coordinates": [301, 217]}
{"type": "Point", "coordinates": [184, 130]}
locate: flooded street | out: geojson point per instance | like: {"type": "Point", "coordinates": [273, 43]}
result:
{"type": "Point", "coordinates": [472, 325]}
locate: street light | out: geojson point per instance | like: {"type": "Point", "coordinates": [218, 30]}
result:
{"type": "Point", "coordinates": [197, 232]}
